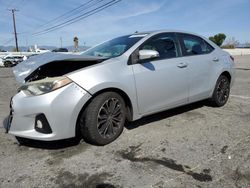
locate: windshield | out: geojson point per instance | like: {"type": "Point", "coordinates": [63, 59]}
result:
{"type": "Point", "coordinates": [114, 47]}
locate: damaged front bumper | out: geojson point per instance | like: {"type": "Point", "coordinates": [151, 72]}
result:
{"type": "Point", "coordinates": [51, 116]}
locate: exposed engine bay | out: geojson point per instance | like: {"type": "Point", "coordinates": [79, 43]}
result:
{"type": "Point", "coordinates": [59, 68]}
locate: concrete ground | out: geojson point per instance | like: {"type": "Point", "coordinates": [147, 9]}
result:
{"type": "Point", "coordinates": [192, 146]}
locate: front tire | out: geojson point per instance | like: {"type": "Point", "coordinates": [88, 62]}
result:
{"type": "Point", "coordinates": [103, 120]}
{"type": "Point", "coordinates": [221, 92]}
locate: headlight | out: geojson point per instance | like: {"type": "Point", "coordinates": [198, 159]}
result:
{"type": "Point", "coordinates": [45, 85]}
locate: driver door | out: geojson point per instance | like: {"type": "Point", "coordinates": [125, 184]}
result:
{"type": "Point", "coordinates": [161, 83]}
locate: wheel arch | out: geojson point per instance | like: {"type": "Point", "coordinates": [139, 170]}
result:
{"type": "Point", "coordinates": [214, 101]}
{"type": "Point", "coordinates": [227, 74]}
{"type": "Point", "coordinates": [125, 97]}
{"type": "Point", "coordinates": [128, 103]}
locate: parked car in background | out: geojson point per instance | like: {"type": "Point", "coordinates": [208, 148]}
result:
{"type": "Point", "coordinates": [1, 62]}
{"type": "Point", "coordinates": [60, 50]}
{"type": "Point", "coordinates": [41, 50]}
{"type": "Point", "coordinates": [12, 60]}
{"type": "Point", "coordinates": [126, 78]}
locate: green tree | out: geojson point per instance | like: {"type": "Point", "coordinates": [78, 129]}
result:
{"type": "Point", "coordinates": [218, 39]}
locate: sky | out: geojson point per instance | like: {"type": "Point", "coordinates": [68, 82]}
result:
{"type": "Point", "coordinates": [205, 17]}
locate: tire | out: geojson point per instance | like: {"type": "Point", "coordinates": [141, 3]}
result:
{"type": "Point", "coordinates": [103, 119]}
{"type": "Point", "coordinates": [7, 64]}
{"type": "Point", "coordinates": [221, 92]}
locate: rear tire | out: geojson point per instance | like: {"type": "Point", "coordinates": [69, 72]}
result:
{"type": "Point", "coordinates": [7, 64]}
{"type": "Point", "coordinates": [103, 119]}
{"type": "Point", "coordinates": [221, 92]}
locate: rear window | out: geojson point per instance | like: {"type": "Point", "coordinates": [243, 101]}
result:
{"type": "Point", "coordinates": [193, 45]}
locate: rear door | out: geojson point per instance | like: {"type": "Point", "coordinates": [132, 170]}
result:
{"type": "Point", "coordinates": [198, 54]}
{"type": "Point", "coordinates": [161, 83]}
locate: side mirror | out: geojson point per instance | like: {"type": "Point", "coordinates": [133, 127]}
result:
{"type": "Point", "coordinates": [148, 54]}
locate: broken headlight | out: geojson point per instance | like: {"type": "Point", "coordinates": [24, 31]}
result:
{"type": "Point", "coordinates": [44, 86]}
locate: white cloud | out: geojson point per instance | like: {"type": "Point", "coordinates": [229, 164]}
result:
{"type": "Point", "coordinates": [138, 9]}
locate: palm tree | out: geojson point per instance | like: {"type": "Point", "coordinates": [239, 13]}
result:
{"type": "Point", "coordinates": [76, 44]}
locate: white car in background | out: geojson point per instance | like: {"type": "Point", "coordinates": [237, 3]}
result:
{"type": "Point", "coordinates": [41, 50]}
{"type": "Point", "coordinates": [12, 60]}
{"type": "Point", "coordinates": [1, 62]}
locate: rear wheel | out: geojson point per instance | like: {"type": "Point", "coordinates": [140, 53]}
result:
{"type": "Point", "coordinates": [7, 64]}
{"type": "Point", "coordinates": [221, 91]}
{"type": "Point", "coordinates": [103, 120]}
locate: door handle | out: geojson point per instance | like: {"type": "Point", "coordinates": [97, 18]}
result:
{"type": "Point", "coordinates": [215, 59]}
{"type": "Point", "coordinates": [182, 65]}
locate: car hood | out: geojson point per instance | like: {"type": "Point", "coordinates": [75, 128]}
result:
{"type": "Point", "coordinates": [56, 61]}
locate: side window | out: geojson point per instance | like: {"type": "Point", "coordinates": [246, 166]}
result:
{"type": "Point", "coordinates": [193, 45]}
{"type": "Point", "coordinates": [166, 44]}
{"type": "Point", "coordinates": [209, 48]}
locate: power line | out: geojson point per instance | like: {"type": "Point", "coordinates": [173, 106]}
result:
{"type": "Point", "coordinates": [67, 13]}
{"type": "Point", "coordinates": [77, 18]}
{"type": "Point", "coordinates": [6, 7]}
{"type": "Point", "coordinates": [51, 28]}
{"type": "Point", "coordinates": [70, 13]}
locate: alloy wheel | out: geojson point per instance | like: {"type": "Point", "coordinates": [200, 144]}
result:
{"type": "Point", "coordinates": [222, 92]}
{"type": "Point", "coordinates": [109, 118]}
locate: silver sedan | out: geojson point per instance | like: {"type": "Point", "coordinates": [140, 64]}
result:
{"type": "Point", "coordinates": [126, 78]}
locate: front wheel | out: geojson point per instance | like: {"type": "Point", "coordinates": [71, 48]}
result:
{"type": "Point", "coordinates": [103, 120]}
{"type": "Point", "coordinates": [221, 91]}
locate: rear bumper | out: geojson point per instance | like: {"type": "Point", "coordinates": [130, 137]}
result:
{"type": "Point", "coordinates": [60, 107]}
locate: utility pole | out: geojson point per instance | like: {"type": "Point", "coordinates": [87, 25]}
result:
{"type": "Point", "coordinates": [14, 23]}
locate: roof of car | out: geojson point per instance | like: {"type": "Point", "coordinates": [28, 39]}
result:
{"type": "Point", "coordinates": [163, 31]}
{"type": "Point", "coordinates": [172, 31]}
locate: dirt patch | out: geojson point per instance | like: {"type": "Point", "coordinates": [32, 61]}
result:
{"type": "Point", "coordinates": [224, 149]}
{"type": "Point", "coordinates": [242, 179]}
{"type": "Point", "coordinates": [66, 179]}
{"type": "Point", "coordinates": [193, 115]}
{"type": "Point", "coordinates": [57, 156]}
{"type": "Point", "coordinates": [132, 152]}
